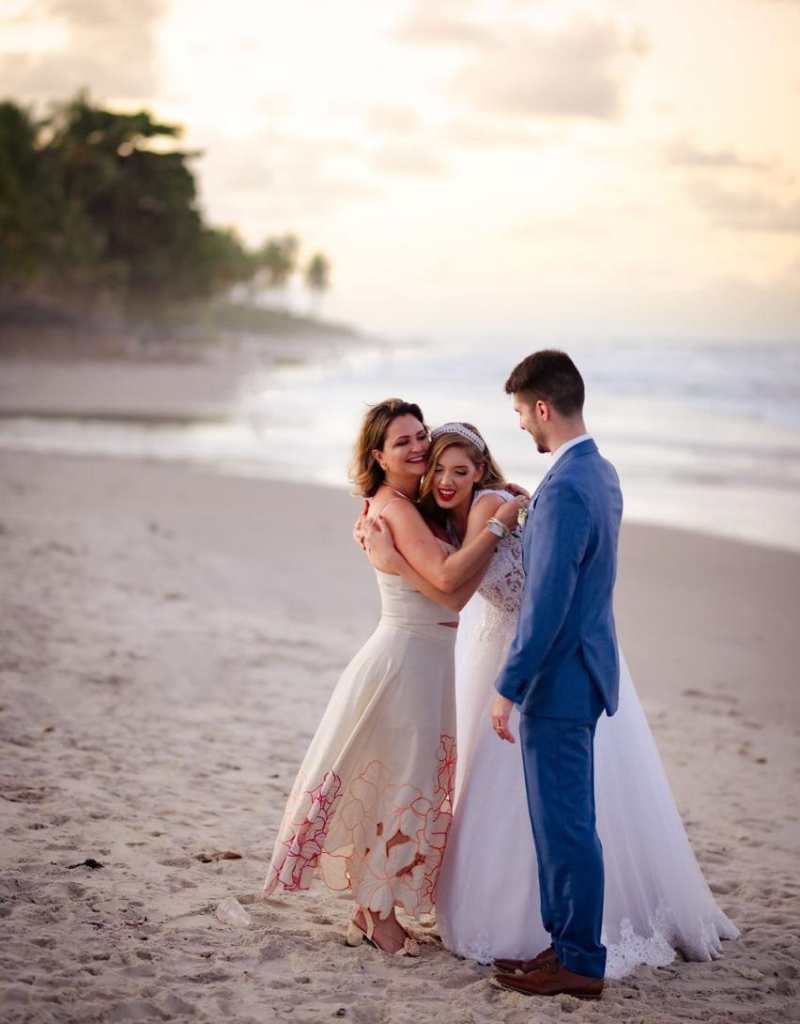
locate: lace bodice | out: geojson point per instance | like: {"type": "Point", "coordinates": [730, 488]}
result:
{"type": "Point", "coordinates": [503, 582]}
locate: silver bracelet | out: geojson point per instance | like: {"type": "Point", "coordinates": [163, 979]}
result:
{"type": "Point", "coordinates": [497, 528]}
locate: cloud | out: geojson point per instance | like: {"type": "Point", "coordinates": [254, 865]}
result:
{"type": "Point", "coordinates": [574, 72]}
{"type": "Point", "coordinates": [270, 180]}
{"type": "Point", "coordinates": [409, 142]}
{"type": "Point", "coordinates": [311, 174]}
{"type": "Point", "coordinates": [683, 153]}
{"type": "Point", "coordinates": [747, 211]}
{"type": "Point", "coordinates": [405, 144]}
{"type": "Point", "coordinates": [402, 143]}
{"type": "Point", "coordinates": [93, 14]}
{"type": "Point", "coordinates": [442, 24]}
{"type": "Point", "coordinates": [393, 120]}
{"type": "Point", "coordinates": [489, 134]}
{"type": "Point", "coordinates": [414, 158]}
{"type": "Point", "coordinates": [110, 49]}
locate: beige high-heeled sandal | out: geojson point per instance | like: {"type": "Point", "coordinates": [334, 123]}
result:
{"type": "Point", "coordinates": [356, 935]}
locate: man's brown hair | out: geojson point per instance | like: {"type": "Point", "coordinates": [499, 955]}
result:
{"type": "Point", "coordinates": [549, 375]}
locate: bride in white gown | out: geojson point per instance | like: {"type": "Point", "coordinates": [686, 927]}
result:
{"type": "Point", "coordinates": [487, 900]}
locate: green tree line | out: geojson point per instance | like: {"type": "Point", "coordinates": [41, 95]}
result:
{"type": "Point", "coordinates": [97, 206]}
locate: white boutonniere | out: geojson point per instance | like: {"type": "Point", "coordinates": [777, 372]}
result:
{"type": "Point", "coordinates": [522, 515]}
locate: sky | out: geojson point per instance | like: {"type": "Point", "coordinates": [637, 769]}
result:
{"type": "Point", "coordinates": [475, 169]}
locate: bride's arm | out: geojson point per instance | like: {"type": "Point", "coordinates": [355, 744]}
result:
{"type": "Point", "coordinates": [483, 508]}
{"type": "Point", "coordinates": [447, 572]}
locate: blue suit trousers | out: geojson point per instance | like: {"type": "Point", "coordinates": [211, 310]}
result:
{"type": "Point", "coordinates": [558, 757]}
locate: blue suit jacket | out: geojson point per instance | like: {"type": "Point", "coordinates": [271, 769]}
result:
{"type": "Point", "coordinates": [563, 662]}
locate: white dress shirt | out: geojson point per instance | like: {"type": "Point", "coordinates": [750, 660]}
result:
{"type": "Point", "coordinates": [565, 447]}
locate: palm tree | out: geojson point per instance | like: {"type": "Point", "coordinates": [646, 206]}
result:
{"type": "Point", "coordinates": [22, 212]}
{"type": "Point", "coordinates": [318, 280]}
{"type": "Point", "coordinates": [99, 210]}
{"type": "Point", "coordinates": [277, 259]}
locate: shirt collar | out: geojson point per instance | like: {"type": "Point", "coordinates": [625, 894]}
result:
{"type": "Point", "coordinates": [567, 445]}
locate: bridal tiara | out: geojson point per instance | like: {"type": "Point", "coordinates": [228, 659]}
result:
{"type": "Point", "coordinates": [462, 431]}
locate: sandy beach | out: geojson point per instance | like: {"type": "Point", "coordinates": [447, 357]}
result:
{"type": "Point", "coordinates": [227, 234]}
{"type": "Point", "coordinates": [170, 638]}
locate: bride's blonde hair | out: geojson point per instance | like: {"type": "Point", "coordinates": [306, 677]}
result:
{"type": "Point", "coordinates": [492, 475]}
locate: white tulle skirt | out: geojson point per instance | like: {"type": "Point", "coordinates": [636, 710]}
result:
{"type": "Point", "coordinates": [656, 899]}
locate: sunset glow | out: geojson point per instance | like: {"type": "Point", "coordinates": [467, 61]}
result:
{"type": "Point", "coordinates": [605, 169]}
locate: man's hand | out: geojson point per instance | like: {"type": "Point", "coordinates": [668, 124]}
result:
{"type": "Point", "coordinates": [501, 709]}
{"type": "Point", "coordinates": [379, 545]}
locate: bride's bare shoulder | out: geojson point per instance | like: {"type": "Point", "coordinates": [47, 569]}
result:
{"type": "Point", "coordinates": [485, 504]}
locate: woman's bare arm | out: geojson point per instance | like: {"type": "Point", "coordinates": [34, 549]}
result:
{"type": "Point", "coordinates": [447, 572]}
{"type": "Point", "coordinates": [389, 559]}
{"type": "Point", "coordinates": [384, 556]}
{"type": "Point", "coordinates": [454, 601]}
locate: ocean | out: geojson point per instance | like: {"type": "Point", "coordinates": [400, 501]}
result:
{"type": "Point", "coordinates": [705, 436]}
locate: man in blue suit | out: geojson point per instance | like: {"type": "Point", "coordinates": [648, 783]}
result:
{"type": "Point", "coordinates": [563, 672]}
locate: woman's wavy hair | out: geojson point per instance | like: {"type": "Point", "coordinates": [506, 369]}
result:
{"type": "Point", "coordinates": [365, 472]}
{"type": "Point", "coordinates": [492, 474]}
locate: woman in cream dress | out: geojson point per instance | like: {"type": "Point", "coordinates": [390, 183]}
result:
{"type": "Point", "coordinates": [371, 807]}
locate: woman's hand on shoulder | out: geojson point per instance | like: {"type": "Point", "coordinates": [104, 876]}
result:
{"type": "Point", "coordinates": [380, 547]}
{"type": "Point", "coordinates": [358, 527]}
{"type": "Point", "coordinates": [508, 512]}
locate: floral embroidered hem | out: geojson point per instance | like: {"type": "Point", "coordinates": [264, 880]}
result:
{"type": "Point", "coordinates": [381, 839]}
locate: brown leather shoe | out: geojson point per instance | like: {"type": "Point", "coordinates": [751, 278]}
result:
{"type": "Point", "coordinates": [526, 966]}
{"type": "Point", "coordinates": [552, 979]}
